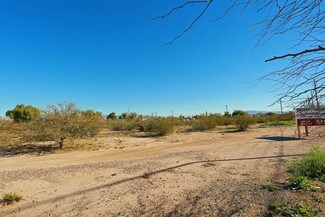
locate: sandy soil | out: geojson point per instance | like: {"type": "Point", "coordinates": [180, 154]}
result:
{"type": "Point", "coordinates": [166, 176]}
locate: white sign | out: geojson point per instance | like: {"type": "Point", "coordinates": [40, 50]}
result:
{"type": "Point", "coordinates": [310, 113]}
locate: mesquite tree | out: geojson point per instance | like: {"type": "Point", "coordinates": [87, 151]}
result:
{"type": "Point", "coordinates": [60, 122]}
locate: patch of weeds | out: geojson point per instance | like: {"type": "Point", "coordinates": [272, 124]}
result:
{"type": "Point", "coordinates": [172, 170]}
{"type": "Point", "coordinates": [280, 209]}
{"type": "Point", "coordinates": [276, 209]}
{"type": "Point", "coordinates": [312, 165]}
{"type": "Point", "coordinates": [11, 198]}
{"type": "Point", "coordinates": [146, 175]}
{"type": "Point", "coordinates": [278, 123]}
{"type": "Point", "coordinates": [301, 183]}
{"type": "Point", "coordinates": [114, 174]}
{"type": "Point", "coordinates": [271, 185]}
{"type": "Point", "coordinates": [318, 199]}
{"type": "Point", "coordinates": [198, 198]}
{"type": "Point", "coordinates": [245, 174]}
{"type": "Point", "coordinates": [209, 164]}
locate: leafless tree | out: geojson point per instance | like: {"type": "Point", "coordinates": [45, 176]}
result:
{"type": "Point", "coordinates": [302, 81]}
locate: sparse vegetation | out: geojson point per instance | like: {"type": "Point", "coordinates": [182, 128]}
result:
{"type": "Point", "coordinates": [301, 183]}
{"type": "Point", "coordinates": [271, 186]}
{"type": "Point", "coordinates": [198, 198]}
{"type": "Point", "coordinates": [11, 198]}
{"type": "Point", "coordinates": [281, 209]}
{"type": "Point", "coordinates": [279, 123]}
{"type": "Point", "coordinates": [312, 165]}
{"type": "Point", "coordinates": [146, 175]}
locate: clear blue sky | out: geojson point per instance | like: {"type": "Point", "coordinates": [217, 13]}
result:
{"type": "Point", "coordinates": [108, 56]}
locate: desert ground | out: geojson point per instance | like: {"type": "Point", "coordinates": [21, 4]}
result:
{"type": "Point", "coordinates": [213, 173]}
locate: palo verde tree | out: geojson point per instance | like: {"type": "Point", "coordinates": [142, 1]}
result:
{"type": "Point", "coordinates": [22, 113]}
{"type": "Point", "coordinates": [64, 120]}
{"type": "Point", "coordinates": [302, 80]}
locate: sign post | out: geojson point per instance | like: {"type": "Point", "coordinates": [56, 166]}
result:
{"type": "Point", "coordinates": [309, 117]}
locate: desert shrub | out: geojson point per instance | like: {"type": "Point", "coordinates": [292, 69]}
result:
{"type": "Point", "coordinates": [159, 127]}
{"type": "Point", "coordinates": [204, 123]}
{"type": "Point", "coordinates": [312, 165]}
{"type": "Point", "coordinates": [11, 133]}
{"type": "Point", "coordinates": [242, 123]}
{"type": "Point", "coordinates": [11, 197]}
{"type": "Point", "coordinates": [301, 183]}
{"type": "Point", "coordinates": [227, 120]}
{"type": "Point", "coordinates": [275, 119]}
{"type": "Point", "coordinates": [289, 116]}
{"type": "Point", "coordinates": [92, 122]}
{"type": "Point", "coordinates": [122, 125]}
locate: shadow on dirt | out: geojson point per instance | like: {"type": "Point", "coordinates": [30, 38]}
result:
{"type": "Point", "coordinates": [8, 151]}
{"type": "Point", "coordinates": [147, 175]}
{"type": "Point", "coordinates": [146, 135]}
{"type": "Point", "coordinates": [278, 138]}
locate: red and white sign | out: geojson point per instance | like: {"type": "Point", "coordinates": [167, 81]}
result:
{"type": "Point", "coordinates": [310, 117]}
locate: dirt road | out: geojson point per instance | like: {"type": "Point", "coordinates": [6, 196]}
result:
{"type": "Point", "coordinates": [168, 177]}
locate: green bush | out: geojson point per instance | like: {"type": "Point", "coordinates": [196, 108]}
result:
{"type": "Point", "coordinates": [159, 127]}
{"type": "Point", "coordinates": [204, 123]}
{"type": "Point", "coordinates": [22, 113]}
{"type": "Point", "coordinates": [301, 183]}
{"type": "Point", "coordinates": [312, 165]}
{"type": "Point", "coordinates": [11, 197]}
{"type": "Point", "coordinates": [121, 125]}
{"type": "Point", "coordinates": [239, 113]}
{"type": "Point", "coordinates": [242, 123]}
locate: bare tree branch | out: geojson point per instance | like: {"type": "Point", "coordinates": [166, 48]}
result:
{"type": "Point", "coordinates": [293, 55]}
{"type": "Point", "coordinates": [303, 79]}
{"type": "Point", "coordinates": [191, 25]}
{"type": "Point", "coordinates": [177, 8]}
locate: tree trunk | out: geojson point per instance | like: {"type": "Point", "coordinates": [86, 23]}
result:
{"type": "Point", "coordinates": [61, 142]}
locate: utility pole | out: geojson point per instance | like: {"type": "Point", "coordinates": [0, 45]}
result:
{"type": "Point", "coordinates": [316, 95]}
{"type": "Point", "coordinates": [172, 113]}
{"type": "Point", "coordinates": [281, 106]}
{"type": "Point", "coordinates": [227, 109]}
